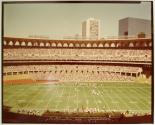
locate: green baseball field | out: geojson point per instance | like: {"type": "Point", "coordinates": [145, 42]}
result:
{"type": "Point", "coordinates": [132, 97]}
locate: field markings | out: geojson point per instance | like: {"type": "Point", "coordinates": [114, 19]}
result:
{"type": "Point", "coordinates": [59, 97]}
{"type": "Point", "coordinates": [92, 88]}
{"type": "Point", "coordinates": [143, 92]}
{"type": "Point", "coordinates": [121, 100]}
{"type": "Point", "coordinates": [13, 94]}
{"type": "Point", "coordinates": [62, 93]}
{"type": "Point", "coordinates": [145, 97]}
{"type": "Point", "coordinates": [129, 98]}
{"type": "Point", "coordinates": [139, 97]}
{"type": "Point", "coordinates": [86, 99]}
{"type": "Point", "coordinates": [32, 98]}
{"type": "Point", "coordinates": [68, 99]}
{"type": "Point", "coordinates": [40, 101]}
{"type": "Point", "coordinates": [135, 92]}
{"type": "Point", "coordinates": [110, 98]}
{"type": "Point", "coordinates": [102, 98]}
{"type": "Point", "coordinates": [132, 97]}
{"type": "Point", "coordinates": [50, 99]}
{"type": "Point", "coordinates": [57, 93]}
{"type": "Point", "coordinates": [77, 100]}
{"type": "Point", "coordinates": [14, 100]}
{"type": "Point", "coordinates": [52, 96]}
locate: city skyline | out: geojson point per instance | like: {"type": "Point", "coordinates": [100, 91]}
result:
{"type": "Point", "coordinates": [58, 20]}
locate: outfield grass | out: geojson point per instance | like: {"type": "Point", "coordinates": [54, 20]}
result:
{"type": "Point", "coordinates": [69, 97]}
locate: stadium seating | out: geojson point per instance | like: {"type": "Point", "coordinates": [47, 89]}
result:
{"type": "Point", "coordinates": [75, 72]}
{"type": "Point", "coordinates": [79, 71]}
{"type": "Point", "coordinates": [77, 54]}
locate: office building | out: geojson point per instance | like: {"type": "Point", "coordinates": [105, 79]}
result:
{"type": "Point", "coordinates": [91, 29]}
{"type": "Point", "coordinates": [134, 26]}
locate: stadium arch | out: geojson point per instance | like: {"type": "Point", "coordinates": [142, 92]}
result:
{"type": "Point", "coordinates": [100, 45]}
{"type": "Point", "coordinates": [112, 45]}
{"type": "Point", "coordinates": [42, 44]}
{"type": "Point", "coordinates": [89, 45]}
{"type": "Point", "coordinates": [65, 45]}
{"type": "Point", "coordinates": [29, 44]}
{"type": "Point", "coordinates": [59, 45]}
{"type": "Point", "coordinates": [77, 45]}
{"type": "Point", "coordinates": [83, 45]}
{"type": "Point", "coordinates": [131, 44]}
{"type": "Point", "coordinates": [54, 45]}
{"type": "Point", "coordinates": [71, 45]}
{"type": "Point", "coordinates": [106, 45]}
{"type": "Point", "coordinates": [23, 43]}
{"type": "Point", "coordinates": [47, 44]}
{"type": "Point", "coordinates": [94, 45]}
{"type": "Point", "coordinates": [17, 43]}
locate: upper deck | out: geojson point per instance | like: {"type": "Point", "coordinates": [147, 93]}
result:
{"type": "Point", "coordinates": [132, 43]}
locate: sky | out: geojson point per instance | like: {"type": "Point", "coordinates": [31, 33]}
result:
{"type": "Point", "coordinates": [57, 20]}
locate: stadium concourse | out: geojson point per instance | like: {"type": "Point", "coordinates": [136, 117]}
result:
{"type": "Point", "coordinates": [106, 70]}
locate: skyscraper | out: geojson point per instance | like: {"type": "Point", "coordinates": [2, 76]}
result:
{"type": "Point", "coordinates": [91, 29]}
{"type": "Point", "coordinates": [133, 26]}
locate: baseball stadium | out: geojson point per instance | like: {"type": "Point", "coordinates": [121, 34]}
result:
{"type": "Point", "coordinates": [77, 81]}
